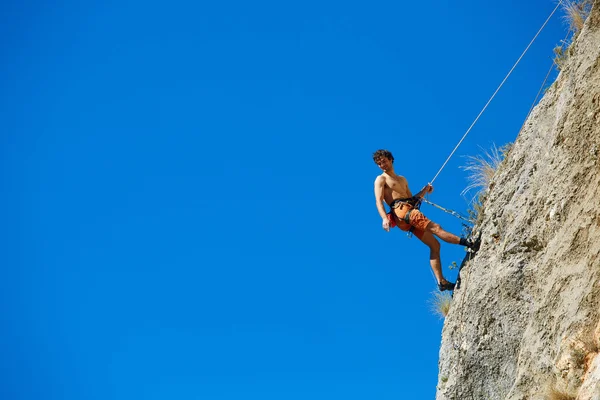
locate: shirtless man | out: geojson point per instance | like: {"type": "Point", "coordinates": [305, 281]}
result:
{"type": "Point", "coordinates": [393, 189]}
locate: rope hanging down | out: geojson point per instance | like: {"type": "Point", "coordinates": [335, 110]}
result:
{"type": "Point", "coordinates": [537, 96]}
{"type": "Point", "coordinates": [497, 90]}
{"type": "Point", "coordinates": [451, 212]}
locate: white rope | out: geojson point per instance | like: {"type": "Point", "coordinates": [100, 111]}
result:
{"type": "Point", "coordinates": [537, 96]}
{"type": "Point", "coordinates": [497, 90]}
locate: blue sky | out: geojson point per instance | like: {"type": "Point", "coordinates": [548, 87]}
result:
{"type": "Point", "coordinates": [188, 190]}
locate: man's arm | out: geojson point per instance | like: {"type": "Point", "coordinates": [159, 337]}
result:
{"type": "Point", "coordinates": [427, 189]}
{"type": "Point", "coordinates": [379, 186]}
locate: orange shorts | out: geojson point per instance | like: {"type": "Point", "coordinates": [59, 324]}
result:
{"type": "Point", "coordinates": [418, 221]}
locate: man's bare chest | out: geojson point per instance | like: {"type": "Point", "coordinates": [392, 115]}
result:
{"type": "Point", "coordinates": [397, 184]}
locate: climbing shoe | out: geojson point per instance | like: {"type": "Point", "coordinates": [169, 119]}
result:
{"type": "Point", "coordinates": [446, 286]}
{"type": "Point", "coordinates": [473, 245]}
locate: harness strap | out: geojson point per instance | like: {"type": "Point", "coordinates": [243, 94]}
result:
{"type": "Point", "coordinates": [411, 201]}
{"type": "Point", "coordinates": [414, 202]}
{"type": "Point", "coordinates": [407, 216]}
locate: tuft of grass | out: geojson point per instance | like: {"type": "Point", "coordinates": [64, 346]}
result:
{"type": "Point", "coordinates": [481, 169]}
{"type": "Point", "coordinates": [441, 303]}
{"type": "Point", "coordinates": [576, 12]}
{"type": "Point", "coordinates": [476, 209]}
{"type": "Point", "coordinates": [560, 56]}
{"type": "Point", "coordinates": [555, 394]}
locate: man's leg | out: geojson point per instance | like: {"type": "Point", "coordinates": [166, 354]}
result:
{"type": "Point", "coordinates": [448, 237]}
{"type": "Point", "coordinates": [437, 230]}
{"type": "Point", "coordinates": [420, 221]}
{"type": "Point", "coordinates": [434, 255]}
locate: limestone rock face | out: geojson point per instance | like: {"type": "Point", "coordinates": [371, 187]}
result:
{"type": "Point", "coordinates": [525, 323]}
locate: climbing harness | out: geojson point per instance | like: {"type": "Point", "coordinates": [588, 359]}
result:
{"type": "Point", "coordinates": [413, 202]}
{"type": "Point", "coordinates": [497, 90]}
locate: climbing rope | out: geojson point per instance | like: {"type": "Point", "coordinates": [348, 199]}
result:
{"type": "Point", "coordinates": [537, 96]}
{"type": "Point", "coordinates": [454, 213]}
{"type": "Point", "coordinates": [497, 90]}
{"type": "Point", "coordinates": [451, 212]}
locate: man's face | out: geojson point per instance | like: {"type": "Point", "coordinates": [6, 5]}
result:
{"type": "Point", "coordinates": [384, 163]}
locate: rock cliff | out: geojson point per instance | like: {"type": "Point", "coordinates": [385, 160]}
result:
{"type": "Point", "coordinates": [525, 323]}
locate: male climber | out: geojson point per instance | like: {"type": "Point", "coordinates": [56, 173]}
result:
{"type": "Point", "coordinates": [393, 189]}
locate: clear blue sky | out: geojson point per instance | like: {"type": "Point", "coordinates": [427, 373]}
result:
{"type": "Point", "coordinates": [188, 190]}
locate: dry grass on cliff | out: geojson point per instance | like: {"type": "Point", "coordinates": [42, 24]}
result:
{"type": "Point", "coordinates": [440, 303]}
{"type": "Point", "coordinates": [561, 55]}
{"type": "Point", "coordinates": [555, 394]}
{"type": "Point", "coordinates": [576, 13]}
{"type": "Point", "coordinates": [482, 167]}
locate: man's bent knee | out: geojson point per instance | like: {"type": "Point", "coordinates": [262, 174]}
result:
{"type": "Point", "coordinates": [434, 228]}
{"type": "Point", "coordinates": [437, 230]}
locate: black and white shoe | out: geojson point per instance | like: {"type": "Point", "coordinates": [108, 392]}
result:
{"type": "Point", "coordinates": [446, 286]}
{"type": "Point", "coordinates": [471, 244]}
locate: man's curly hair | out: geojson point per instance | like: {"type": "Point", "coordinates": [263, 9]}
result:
{"type": "Point", "coordinates": [383, 153]}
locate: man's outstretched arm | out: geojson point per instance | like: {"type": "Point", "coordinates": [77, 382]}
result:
{"type": "Point", "coordinates": [379, 186]}
{"type": "Point", "coordinates": [427, 189]}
